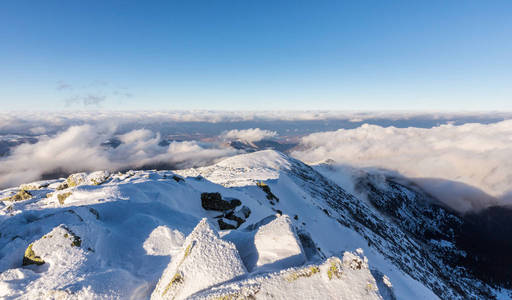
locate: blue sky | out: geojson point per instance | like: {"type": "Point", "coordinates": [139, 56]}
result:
{"type": "Point", "coordinates": [256, 55]}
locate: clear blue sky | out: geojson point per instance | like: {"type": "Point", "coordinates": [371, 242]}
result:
{"type": "Point", "coordinates": [358, 55]}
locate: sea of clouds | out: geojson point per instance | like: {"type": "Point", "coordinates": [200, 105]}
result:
{"type": "Point", "coordinates": [463, 159]}
{"type": "Point", "coordinates": [462, 165]}
{"type": "Point", "coordinates": [82, 148]}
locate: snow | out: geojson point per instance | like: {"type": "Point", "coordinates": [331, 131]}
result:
{"type": "Point", "coordinates": [277, 245]}
{"type": "Point", "coordinates": [244, 169]}
{"type": "Point", "coordinates": [204, 260]}
{"type": "Point", "coordinates": [133, 225]}
{"type": "Point", "coordinates": [348, 278]}
{"type": "Point", "coordinates": [164, 241]}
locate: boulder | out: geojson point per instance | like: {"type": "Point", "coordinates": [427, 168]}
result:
{"type": "Point", "coordinates": [214, 201]}
{"type": "Point", "coordinates": [58, 247]}
{"type": "Point", "coordinates": [19, 196]}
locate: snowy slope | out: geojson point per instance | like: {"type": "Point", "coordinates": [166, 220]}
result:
{"type": "Point", "coordinates": [298, 235]}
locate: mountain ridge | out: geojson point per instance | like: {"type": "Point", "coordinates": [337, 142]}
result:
{"type": "Point", "coordinates": [327, 220]}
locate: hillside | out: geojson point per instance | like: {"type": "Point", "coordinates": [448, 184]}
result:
{"type": "Point", "coordinates": [259, 225]}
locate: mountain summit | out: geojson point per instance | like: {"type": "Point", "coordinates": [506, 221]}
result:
{"type": "Point", "coordinates": [254, 226]}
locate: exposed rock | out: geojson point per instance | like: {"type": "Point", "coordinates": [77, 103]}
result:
{"type": "Point", "coordinates": [245, 211]}
{"type": "Point", "coordinates": [177, 178]}
{"type": "Point", "coordinates": [63, 196]}
{"type": "Point", "coordinates": [19, 196]}
{"type": "Point", "coordinates": [214, 201]}
{"type": "Point", "coordinates": [34, 186]}
{"type": "Point", "coordinates": [95, 213]}
{"type": "Point", "coordinates": [225, 226]}
{"type": "Point", "coordinates": [237, 216]}
{"type": "Point", "coordinates": [266, 189]}
{"type": "Point", "coordinates": [30, 258]}
{"type": "Point", "coordinates": [98, 177]}
{"type": "Point", "coordinates": [47, 247]}
{"type": "Point", "coordinates": [62, 186]}
{"type": "Point", "coordinates": [76, 179]}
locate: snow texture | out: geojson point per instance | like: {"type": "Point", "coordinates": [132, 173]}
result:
{"type": "Point", "coordinates": [205, 260]}
{"type": "Point", "coordinates": [132, 227]}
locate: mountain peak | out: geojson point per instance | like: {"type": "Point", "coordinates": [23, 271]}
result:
{"type": "Point", "coordinates": [244, 169]}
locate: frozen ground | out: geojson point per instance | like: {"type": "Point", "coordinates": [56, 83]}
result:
{"type": "Point", "coordinates": [145, 234]}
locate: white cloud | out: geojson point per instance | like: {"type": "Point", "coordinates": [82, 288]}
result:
{"type": "Point", "coordinates": [248, 135]}
{"type": "Point", "coordinates": [79, 148]}
{"type": "Point", "coordinates": [16, 121]}
{"type": "Point", "coordinates": [475, 154]}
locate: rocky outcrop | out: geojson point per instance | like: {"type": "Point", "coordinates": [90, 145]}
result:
{"type": "Point", "coordinates": [233, 219]}
{"type": "Point", "coordinates": [47, 248]}
{"type": "Point", "coordinates": [266, 189]}
{"type": "Point", "coordinates": [214, 201]}
{"type": "Point", "coordinates": [348, 278]}
{"type": "Point", "coordinates": [77, 179]}
{"type": "Point", "coordinates": [19, 196]}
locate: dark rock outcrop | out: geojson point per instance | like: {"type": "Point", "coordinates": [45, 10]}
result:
{"type": "Point", "coordinates": [214, 201]}
{"type": "Point", "coordinates": [225, 226]}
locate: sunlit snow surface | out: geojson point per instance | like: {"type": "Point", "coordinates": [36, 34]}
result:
{"type": "Point", "coordinates": [137, 233]}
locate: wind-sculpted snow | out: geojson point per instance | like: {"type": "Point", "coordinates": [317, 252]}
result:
{"type": "Point", "coordinates": [205, 260]}
{"type": "Point", "coordinates": [123, 237]}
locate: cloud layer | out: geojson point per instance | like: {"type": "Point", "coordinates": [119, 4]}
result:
{"type": "Point", "coordinates": [82, 148]}
{"type": "Point", "coordinates": [248, 135]}
{"type": "Point", "coordinates": [451, 161]}
{"type": "Point", "coordinates": [477, 155]}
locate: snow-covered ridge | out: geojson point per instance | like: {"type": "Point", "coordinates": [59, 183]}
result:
{"type": "Point", "coordinates": [157, 234]}
{"type": "Point", "coordinates": [244, 169]}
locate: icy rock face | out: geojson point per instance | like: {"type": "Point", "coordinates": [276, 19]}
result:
{"type": "Point", "coordinates": [277, 245]}
{"type": "Point", "coordinates": [205, 260]}
{"type": "Point", "coordinates": [348, 278]}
